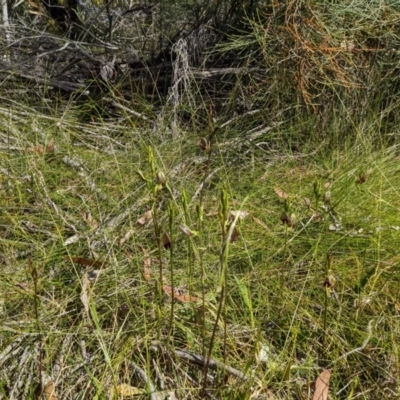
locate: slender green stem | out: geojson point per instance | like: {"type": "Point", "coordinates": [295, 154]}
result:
{"type": "Point", "coordinates": [171, 264]}
{"type": "Point", "coordinates": [226, 239]}
{"type": "Point", "coordinates": [35, 278]}
{"type": "Point", "coordinates": [200, 208]}
{"type": "Point", "coordinates": [327, 288]}
{"type": "Point", "coordinates": [159, 284]}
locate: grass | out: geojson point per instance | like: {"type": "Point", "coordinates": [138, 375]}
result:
{"type": "Point", "coordinates": [143, 260]}
{"type": "Point", "coordinates": [305, 278]}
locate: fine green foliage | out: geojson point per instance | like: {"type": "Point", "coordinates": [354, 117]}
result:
{"type": "Point", "coordinates": [125, 250]}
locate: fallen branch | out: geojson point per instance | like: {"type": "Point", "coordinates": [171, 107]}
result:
{"type": "Point", "coordinates": [146, 379]}
{"type": "Point", "coordinates": [212, 364]}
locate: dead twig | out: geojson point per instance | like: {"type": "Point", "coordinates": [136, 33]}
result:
{"type": "Point", "coordinates": [212, 364]}
{"type": "Point", "coordinates": [142, 374]}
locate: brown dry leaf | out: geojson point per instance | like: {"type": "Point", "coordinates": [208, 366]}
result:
{"type": "Point", "coordinates": [146, 264]}
{"type": "Point", "coordinates": [240, 214]}
{"type": "Point", "coordinates": [281, 194]}
{"type": "Point", "coordinates": [124, 390]}
{"type": "Point", "coordinates": [146, 217]}
{"type": "Point", "coordinates": [126, 237]}
{"type": "Point", "coordinates": [166, 241]}
{"type": "Point", "coordinates": [347, 45]}
{"type": "Point", "coordinates": [322, 385]}
{"type": "Point", "coordinates": [38, 149]}
{"type": "Point", "coordinates": [327, 185]}
{"type": "Point", "coordinates": [307, 202]}
{"type": "Point", "coordinates": [212, 214]}
{"type": "Point", "coordinates": [23, 286]}
{"type": "Point", "coordinates": [87, 262]}
{"type": "Point", "coordinates": [85, 294]}
{"type": "Point", "coordinates": [35, 6]}
{"type": "Point", "coordinates": [147, 269]}
{"type": "Point", "coordinates": [186, 230]}
{"type": "Point", "coordinates": [88, 218]}
{"type": "Point", "coordinates": [180, 294]}
{"type": "Point", "coordinates": [259, 222]}
{"type": "Point", "coordinates": [50, 391]}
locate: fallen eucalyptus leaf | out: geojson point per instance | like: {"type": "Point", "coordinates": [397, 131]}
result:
{"type": "Point", "coordinates": [146, 217]}
{"type": "Point", "coordinates": [181, 295]}
{"type": "Point", "coordinates": [49, 391]}
{"type": "Point", "coordinates": [147, 269]}
{"type": "Point", "coordinates": [322, 385]}
{"type": "Point", "coordinates": [281, 194]}
{"type": "Point", "coordinates": [259, 222]}
{"type": "Point", "coordinates": [124, 390]}
{"type": "Point", "coordinates": [187, 231]}
{"type": "Point", "coordinates": [88, 218]}
{"type": "Point", "coordinates": [87, 262]}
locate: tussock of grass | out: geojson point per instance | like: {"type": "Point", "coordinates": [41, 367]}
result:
{"type": "Point", "coordinates": [90, 329]}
